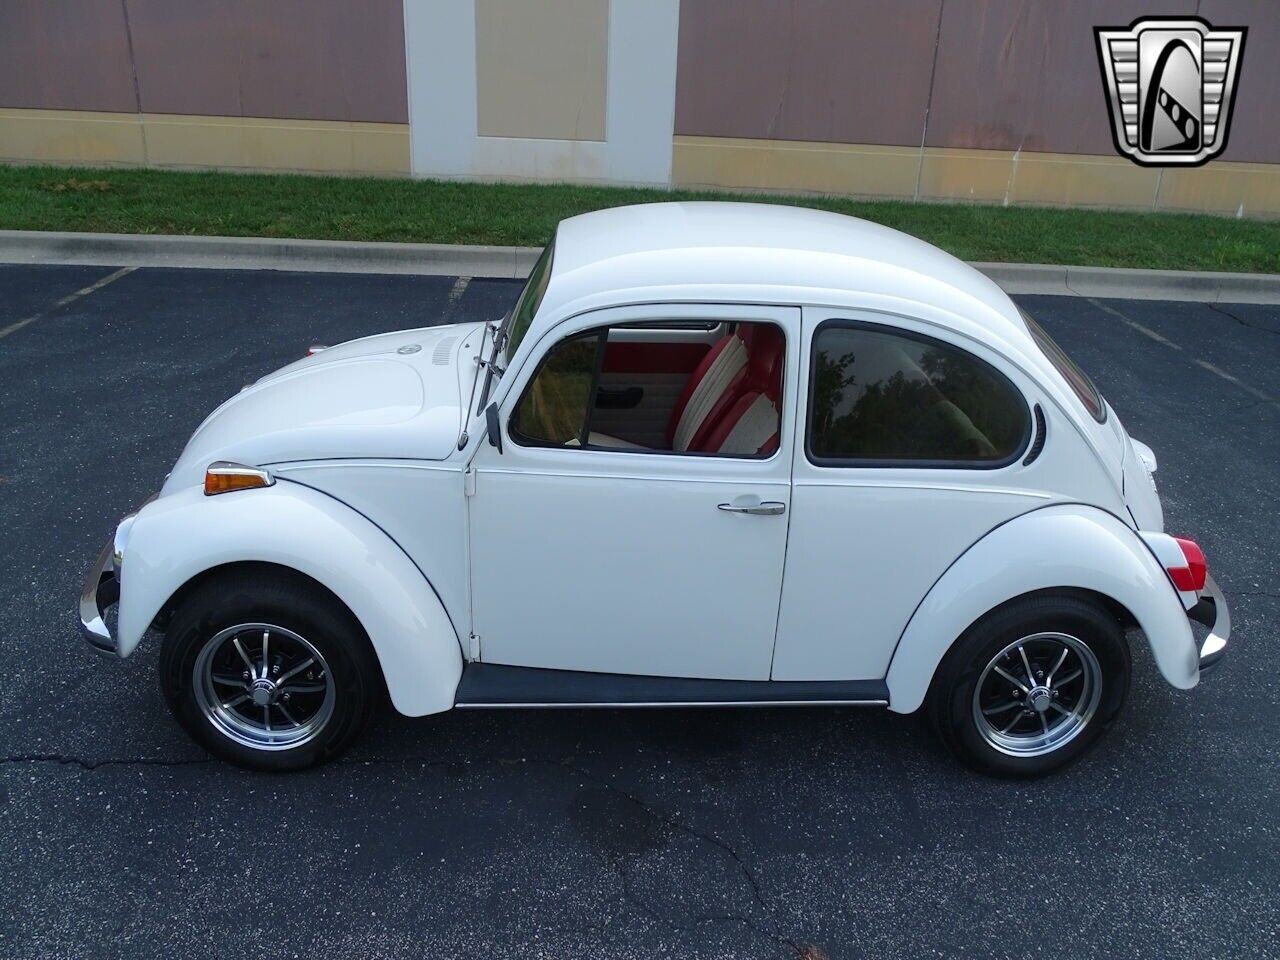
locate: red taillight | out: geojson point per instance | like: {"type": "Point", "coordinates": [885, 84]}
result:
{"type": "Point", "coordinates": [1191, 577]}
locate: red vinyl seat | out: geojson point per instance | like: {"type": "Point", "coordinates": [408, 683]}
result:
{"type": "Point", "coordinates": [730, 403]}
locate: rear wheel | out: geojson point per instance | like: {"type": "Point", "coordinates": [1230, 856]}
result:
{"type": "Point", "coordinates": [1032, 686]}
{"type": "Point", "coordinates": [269, 671]}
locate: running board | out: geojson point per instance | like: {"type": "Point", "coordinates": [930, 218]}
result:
{"type": "Point", "coordinates": [491, 685]}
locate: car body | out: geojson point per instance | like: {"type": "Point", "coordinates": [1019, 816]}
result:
{"type": "Point", "coordinates": [717, 453]}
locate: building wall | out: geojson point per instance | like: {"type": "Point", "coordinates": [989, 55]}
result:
{"type": "Point", "coordinates": [595, 107]}
{"type": "Point", "coordinates": [987, 100]}
{"type": "Point", "coordinates": [314, 85]}
{"type": "Point", "coordinates": [984, 100]}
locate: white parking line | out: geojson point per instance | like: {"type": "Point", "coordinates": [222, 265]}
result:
{"type": "Point", "coordinates": [1226, 376]}
{"type": "Point", "coordinates": [459, 288]}
{"type": "Point", "coordinates": [1145, 331]}
{"type": "Point", "coordinates": [69, 298]}
{"type": "Point", "coordinates": [1203, 364]}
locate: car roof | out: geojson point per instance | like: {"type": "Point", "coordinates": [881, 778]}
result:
{"type": "Point", "coordinates": [762, 252]}
{"type": "Point", "coordinates": [728, 252]}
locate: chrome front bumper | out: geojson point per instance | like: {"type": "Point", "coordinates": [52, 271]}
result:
{"type": "Point", "coordinates": [1213, 613]}
{"type": "Point", "coordinates": [102, 590]}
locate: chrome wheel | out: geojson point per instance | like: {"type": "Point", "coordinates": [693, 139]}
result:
{"type": "Point", "coordinates": [263, 686]}
{"type": "Point", "coordinates": [1037, 694]}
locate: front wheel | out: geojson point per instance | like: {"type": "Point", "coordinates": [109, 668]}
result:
{"type": "Point", "coordinates": [1032, 686]}
{"type": "Point", "coordinates": [267, 670]}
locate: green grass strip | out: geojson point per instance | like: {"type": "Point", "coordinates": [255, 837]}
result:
{"type": "Point", "coordinates": [428, 211]}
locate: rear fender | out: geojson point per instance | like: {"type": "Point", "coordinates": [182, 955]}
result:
{"type": "Point", "coordinates": [1068, 545]}
{"type": "Point", "coordinates": [185, 534]}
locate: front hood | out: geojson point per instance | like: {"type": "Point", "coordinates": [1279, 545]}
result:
{"type": "Point", "coordinates": [393, 396]}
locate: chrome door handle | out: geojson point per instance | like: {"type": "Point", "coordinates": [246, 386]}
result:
{"type": "Point", "coordinates": [766, 508]}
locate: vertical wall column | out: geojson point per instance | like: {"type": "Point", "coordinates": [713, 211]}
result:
{"type": "Point", "coordinates": [542, 90]}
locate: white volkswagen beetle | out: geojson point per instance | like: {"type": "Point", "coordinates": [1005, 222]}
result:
{"type": "Point", "coordinates": [717, 454]}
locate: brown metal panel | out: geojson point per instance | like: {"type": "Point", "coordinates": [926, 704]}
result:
{"type": "Point", "coordinates": [825, 70]}
{"type": "Point", "coordinates": [294, 59]}
{"type": "Point", "coordinates": [1254, 135]}
{"type": "Point", "coordinates": [1023, 74]}
{"type": "Point", "coordinates": [65, 55]}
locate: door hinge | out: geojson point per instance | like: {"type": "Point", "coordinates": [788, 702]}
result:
{"type": "Point", "coordinates": [469, 482]}
{"type": "Point", "coordinates": [473, 650]}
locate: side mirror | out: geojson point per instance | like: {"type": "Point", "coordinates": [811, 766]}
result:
{"type": "Point", "coordinates": [494, 427]}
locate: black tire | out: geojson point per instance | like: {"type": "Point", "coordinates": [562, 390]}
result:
{"type": "Point", "coordinates": [955, 712]}
{"type": "Point", "coordinates": [351, 679]}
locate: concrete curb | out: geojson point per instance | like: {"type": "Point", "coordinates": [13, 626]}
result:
{"type": "Point", "coordinates": [438, 259]}
{"type": "Point", "coordinates": [261, 253]}
{"type": "Point", "coordinates": [1129, 284]}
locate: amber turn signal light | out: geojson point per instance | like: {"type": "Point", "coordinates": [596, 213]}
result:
{"type": "Point", "coordinates": [224, 477]}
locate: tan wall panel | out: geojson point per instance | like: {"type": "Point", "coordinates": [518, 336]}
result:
{"type": "Point", "coordinates": [167, 140]}
{"type": "Point", "coordinates": [65, 136]}
{"type": "Point", "coordinates": [541, 70]}
{"type": "Point", "coordinates": [794, 167]}
{"type": "Point", "coordinates": [1248, 189]}
{"type": "Point", "coordinates": [981, 175]}
{"type": "Point", "coordinates": [1003, 176]}
{"type": "Point", "coordinates": [1078, 180]}
{"type": "Point", "coordinates": [985, 176]}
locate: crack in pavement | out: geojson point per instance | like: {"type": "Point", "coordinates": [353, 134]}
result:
{"type": "Point", "coordinates": [703, 837]}
{"type": "Point", "coordinates": [628, 895]}
{"type": "Point", "coordinates": [1244, 323]}
{"type": "Point", "coordinates": [632, 899]}
{"type": "Point", "coordinates": [84, 764]}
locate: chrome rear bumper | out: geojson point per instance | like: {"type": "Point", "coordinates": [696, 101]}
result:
{"type": "Point", "coordinates": [1213, 613]}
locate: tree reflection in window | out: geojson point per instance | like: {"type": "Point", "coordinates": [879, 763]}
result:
{"type": "Point", "coordinates": [886, 397]}
{"type": "Point", "coordinates": [553, 409]}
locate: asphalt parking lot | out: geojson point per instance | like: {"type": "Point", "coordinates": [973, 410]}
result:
{"type": "Point", "coordinates": [748, 833]}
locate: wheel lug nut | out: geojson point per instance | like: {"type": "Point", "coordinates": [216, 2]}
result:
{"type": "Point", "coordinates": [286, 696]}
{"type": "Point", "coordinates": [245, 675]}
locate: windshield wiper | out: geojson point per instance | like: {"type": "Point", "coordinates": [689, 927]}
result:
{"type": "Point", "coordinates": [490, 366]}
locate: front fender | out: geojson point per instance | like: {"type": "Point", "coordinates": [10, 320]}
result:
{"type": "Point", "coordinates": [1068, 545]}
{"type": "Point", "coordinates": [184, 534]}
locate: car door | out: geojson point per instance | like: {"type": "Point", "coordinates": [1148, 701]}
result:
{"type": "Point", "coordinates": [630, 560]}
{"type": "Point", "coordinates": [911, 448]}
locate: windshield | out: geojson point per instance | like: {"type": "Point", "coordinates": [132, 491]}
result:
{"type": "Point", "coordinates": [526, 307]}
{"type": "Point", "coordinates": [1077, 378]}
{"type": "Point", "coordinates": [507, 337]}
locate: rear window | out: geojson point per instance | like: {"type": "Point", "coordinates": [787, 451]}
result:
{"type": "Point", "coordinates": [1078, 379]}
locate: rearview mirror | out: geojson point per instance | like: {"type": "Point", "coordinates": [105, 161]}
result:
{"type": "Point", "coordinates": [494, 427]}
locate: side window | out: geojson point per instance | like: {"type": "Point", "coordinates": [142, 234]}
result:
{"type": "Point", "coordinates": [649, 387]}
{"type": "Point", "coordinates": [554, 407]}
{"type": "Point", "coordinates": [880, 397]}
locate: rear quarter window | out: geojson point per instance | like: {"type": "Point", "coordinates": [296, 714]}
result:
{"type": "Point", "coordinates": [884, 397]}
